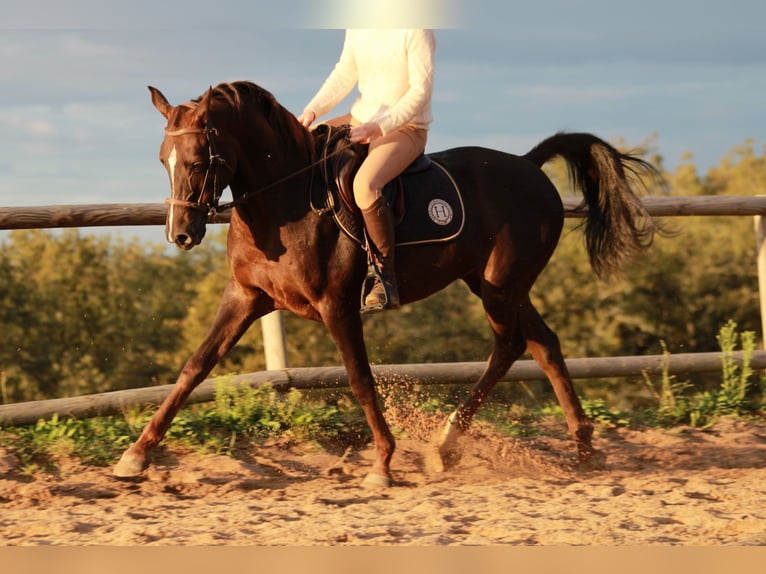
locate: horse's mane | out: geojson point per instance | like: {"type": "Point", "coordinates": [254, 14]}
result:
{"type": "Point", "coordinates": [246, 98]}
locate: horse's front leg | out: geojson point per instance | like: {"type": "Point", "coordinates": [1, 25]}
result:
{"type": "Point", "coordinates": [237, 311]}
{"type": "Point", "coordinates": [346, 330]}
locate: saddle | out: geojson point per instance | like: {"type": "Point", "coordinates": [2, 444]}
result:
{"type": "Point", "coordinates": [425, 199]}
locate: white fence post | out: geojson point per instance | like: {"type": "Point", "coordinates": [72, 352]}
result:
{"type": "Point", "coordinates": [760, 240]}
{"type": "Point", "coordinates": [274, 342]}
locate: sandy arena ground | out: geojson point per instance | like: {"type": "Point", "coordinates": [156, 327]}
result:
{"type": "Point", "coordinates": [661, 487]}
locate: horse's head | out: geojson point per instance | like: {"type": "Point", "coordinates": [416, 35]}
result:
{"type": "Point", "coordinates": [200, 162]}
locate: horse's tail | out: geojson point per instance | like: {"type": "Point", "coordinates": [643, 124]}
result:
{"type": "Point", "coordinates": [618, 225]}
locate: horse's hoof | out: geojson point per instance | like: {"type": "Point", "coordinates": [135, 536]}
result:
{"type": "Point", "coordinates": [444, 449]}
{"type": "Point", "coordinates": [595, 460]}
{"type": "Point", "coordinates": [129, 465]}
{"type": "Point", "coordinates": [376, 481]}
{"type": "Point", "coordinates": [434, 461]}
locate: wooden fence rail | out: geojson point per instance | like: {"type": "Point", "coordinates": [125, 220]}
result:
{"type": "Point", "coordinates": [19, 414]}
{"type": "Point", "coordinates": [139, 214]}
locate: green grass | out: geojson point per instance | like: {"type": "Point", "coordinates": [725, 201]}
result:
{"type": "Point", "coordinates": [97, 441]}
{"type": "Point", "coordinates": [251, 415]}
{"type": "Point", "coordinates": [239, 417]}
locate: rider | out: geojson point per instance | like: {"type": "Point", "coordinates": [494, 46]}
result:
{"type": "Point", "coordinates": [394, 73]}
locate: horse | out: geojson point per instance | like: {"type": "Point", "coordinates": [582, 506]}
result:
{"type": "Point", "coordinates": [286, 254]}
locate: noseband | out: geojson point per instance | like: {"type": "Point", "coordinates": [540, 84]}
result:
{"type": "Point", "coordinates": [214, 160]}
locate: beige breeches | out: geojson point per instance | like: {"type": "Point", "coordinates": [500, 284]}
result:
{"type": "Point", "coordinates": [388, 156]}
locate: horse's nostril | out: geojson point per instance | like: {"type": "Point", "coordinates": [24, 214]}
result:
{"type": "Point", "coordinates": [183, 239]}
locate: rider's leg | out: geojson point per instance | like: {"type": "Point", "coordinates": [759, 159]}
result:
{"type": "Point", "coordinates": [388, 156]}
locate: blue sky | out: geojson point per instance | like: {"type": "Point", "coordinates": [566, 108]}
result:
{"type": "Point", "coordinates": [78, 127]}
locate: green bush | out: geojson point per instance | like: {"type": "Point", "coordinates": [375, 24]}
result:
{"type": "Point", "coordinates": [678, 403]}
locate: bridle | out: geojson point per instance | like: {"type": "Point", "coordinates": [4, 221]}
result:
{"type": "Point", "coordinates": [212, 208]}
{"type": "Point", "coordinates": [214, 161]}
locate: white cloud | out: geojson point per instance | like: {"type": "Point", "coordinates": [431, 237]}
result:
{"type": "Point", "coordinates": [31, 121]}
{"type": "Point", "coordinates": [28, 131]}
{"type": "Point", "coordinates": [569, 94]}
{"type": "Point", "coordinates": [41, 128]}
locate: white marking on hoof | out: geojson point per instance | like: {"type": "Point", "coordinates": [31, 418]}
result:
{"type": "Point", "coordinates": [444, 445]}
{"type": "Point", "coordinates": [376, 481]}
{"type": "Point", "coordinates": [129, 466]}
{"type": "Point", "coordinates": [434, 462]}
{"type": "Point", "coordinates": [450, 435]}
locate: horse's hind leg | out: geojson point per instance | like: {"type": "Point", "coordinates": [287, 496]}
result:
{"type": "Point", "coordinates": [509, 346]}
{"type": "Point", "coordinates": [545, 348]}
{"type": "Point", "coordinates": [524, 329]}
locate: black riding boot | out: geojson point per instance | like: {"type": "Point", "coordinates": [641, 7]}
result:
{"type": "Point", "coordinates": [379, 222]}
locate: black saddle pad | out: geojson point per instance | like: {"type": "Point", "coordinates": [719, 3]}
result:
{"type": "Point", "coordinates": [432, 212]}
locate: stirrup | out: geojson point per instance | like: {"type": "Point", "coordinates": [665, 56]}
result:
{"type": "Point", "coordinates": [373, 274]}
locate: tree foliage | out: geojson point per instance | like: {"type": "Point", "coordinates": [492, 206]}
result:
{"type": "Point", "coordinates": [83, 313]}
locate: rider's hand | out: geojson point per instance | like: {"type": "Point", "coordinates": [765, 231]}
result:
{"type": "Point", "coordinates": [307, 118]}
{"type": "Point", "coordinates": [365, 133]}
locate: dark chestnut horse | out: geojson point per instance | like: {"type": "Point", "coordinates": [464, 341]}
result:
{"type": "Point", "coordinates": [285, 254]}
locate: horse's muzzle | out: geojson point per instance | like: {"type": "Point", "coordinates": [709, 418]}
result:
{"type": "Point", "coordinates": [188, 236]}
{"type": "Point", "coordinates": [185, 242]}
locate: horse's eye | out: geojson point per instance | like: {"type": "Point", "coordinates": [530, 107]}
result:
{"type": "Point", "coordinates": [198, 166]}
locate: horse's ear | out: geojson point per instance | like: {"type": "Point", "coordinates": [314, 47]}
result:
{"type": "Point", "coordinates": [160, 102]}
{"type": "Point", "coordinates": [200, 114]}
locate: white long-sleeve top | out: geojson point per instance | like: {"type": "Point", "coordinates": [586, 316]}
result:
{"type": "Point", "coordinates": [394, 73]}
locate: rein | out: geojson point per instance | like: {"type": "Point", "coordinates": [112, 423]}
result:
{"type": "Point", "coordinates": [214, 208]}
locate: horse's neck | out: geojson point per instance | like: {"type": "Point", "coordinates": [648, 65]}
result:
{"type": "Point", "coordinates": [275, 178]}
{"type": "Point", "coordinates": [271, 165]}
{"type": "Point", "coordinates": [283, 210]}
